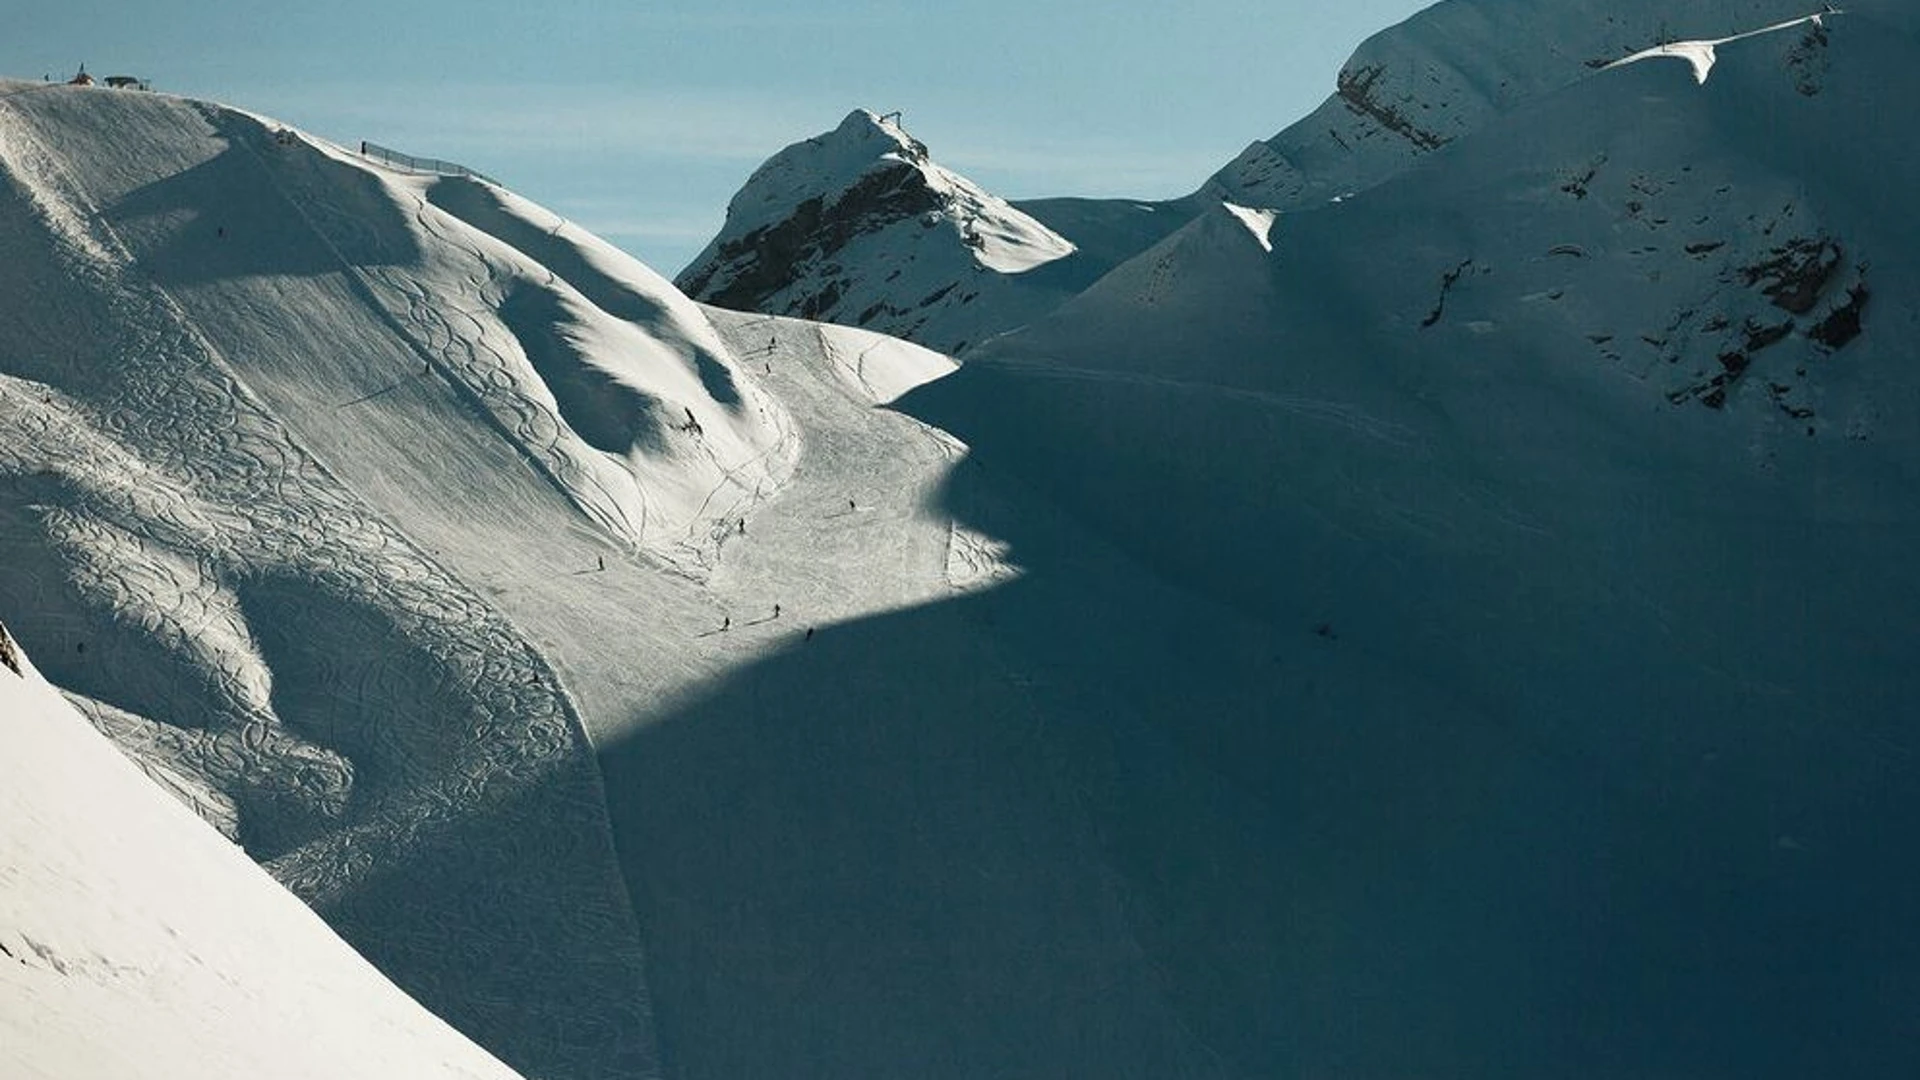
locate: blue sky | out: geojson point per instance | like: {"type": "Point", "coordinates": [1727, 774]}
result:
{"type": "Point", "coordinates": [640, 119]}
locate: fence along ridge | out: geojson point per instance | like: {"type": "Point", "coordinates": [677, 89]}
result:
{"type": "Point", "coordinates": [388, 156]}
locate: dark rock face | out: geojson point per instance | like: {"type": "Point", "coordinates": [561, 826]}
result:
{"type": "Point", "coordinates": [1356, 88]}
{"type": "Point", "coordinates": [1800, 277]}
{"type": "Point", "coordinates": [768, 259]}
{"type": "Point", "coordinates": [1794, 274]}
{"type": "Point", "coordinates": [1843, 324]}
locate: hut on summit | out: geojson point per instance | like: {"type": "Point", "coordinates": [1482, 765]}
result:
{"type": "Point", "coordinates": [127, 82]}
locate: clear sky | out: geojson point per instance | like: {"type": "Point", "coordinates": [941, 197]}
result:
{"type": "Point", "coordinates": [640, 119]}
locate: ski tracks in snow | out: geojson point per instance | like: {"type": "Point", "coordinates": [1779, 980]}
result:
{"type": "Point", "coordinates": [868, 482]}
{"type": "Point", "coordinates": [462, 842]}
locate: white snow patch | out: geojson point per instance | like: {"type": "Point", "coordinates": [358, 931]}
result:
{"type": "Point", "coordinates": [1702, 55]}
{"type": "Point", "coordinates": [1258, 222]}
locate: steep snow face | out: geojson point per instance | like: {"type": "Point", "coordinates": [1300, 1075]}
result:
{"type": "Point", "coordinates": [135, 942]}
{"type": "Point", "coordinates": [1444, 73]}
{"type": "Point", "coordinates": [1603, 419]}
{"type": "Point", "coordinates": [860, 226]}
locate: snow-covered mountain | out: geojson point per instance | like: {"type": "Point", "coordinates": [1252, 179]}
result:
{"type": "Point", "coordinates": [1603, 418]}
{"type": "Point", "coordinates": [1454, 630]}
{"type": "Point", "coordinates": [135, 942]}
{"type": "Point", "coordinates": [860, 226]}
{"type": "Point", "coordinates": [609, 671]}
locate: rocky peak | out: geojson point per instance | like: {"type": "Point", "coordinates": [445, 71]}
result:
{"type": "Point", "coordinates": [861, 226]}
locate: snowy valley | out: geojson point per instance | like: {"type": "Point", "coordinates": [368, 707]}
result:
{"type": "Point", "coordinates": [1433, 601]}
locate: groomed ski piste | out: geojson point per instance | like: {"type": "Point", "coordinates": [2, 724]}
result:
{"type": "Point", "coordinates": [1375, 637]}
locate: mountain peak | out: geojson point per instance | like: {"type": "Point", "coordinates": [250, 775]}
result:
{"type": "Point", "coordinates": [828, 167]}
{"type": "Point", "coordinates": [868, 195]}
{"type": "Point", "coordinates": [863, 128]}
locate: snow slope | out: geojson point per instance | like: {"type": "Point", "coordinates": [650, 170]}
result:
{"type": "Point", "coordinates": [884, 756]}
{"type": "Point", "coordinates": [859, 226]}
{"type": "Point", "coordinates": [1601, 421]}
{"type": "Point", "coordinates": [1325, 655]}
{"type": "Point", "coordinates": [287, 509]}
{"type": "Point", "coordinates": [135, 942]}
{"type": "Point", "coordinates": [260, 403]}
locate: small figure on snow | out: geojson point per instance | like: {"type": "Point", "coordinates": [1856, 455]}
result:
{"type": "Point", "coordinates": [776, 611]}
{"type": "Point", "coordinates": [726, 622]}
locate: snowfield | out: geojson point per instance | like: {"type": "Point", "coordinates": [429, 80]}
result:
{"type": "Point", "coordinates": [1436, 602]}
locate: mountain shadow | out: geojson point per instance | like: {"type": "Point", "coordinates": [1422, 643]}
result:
{"type": "Point", "coordinates": [1086, 824]}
